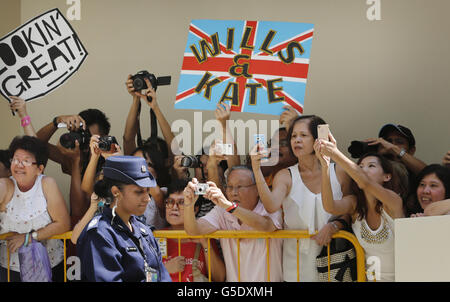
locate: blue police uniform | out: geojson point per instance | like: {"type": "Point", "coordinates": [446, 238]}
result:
{"type": "Point", "coordinates": [109, 251]}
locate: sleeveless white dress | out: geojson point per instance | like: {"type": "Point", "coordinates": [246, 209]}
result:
{"type": "Point", "coordinates": [378, 247]}
{"type": "Point", "coordinates": [25, 212]}
{"type": "Point", "coordinates": [303, 210]}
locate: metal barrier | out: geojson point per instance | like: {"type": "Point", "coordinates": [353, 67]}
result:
{"type": "Point", "coordinates": [64, 237]}
{"type": "Point", "coordinates": [281, 234]}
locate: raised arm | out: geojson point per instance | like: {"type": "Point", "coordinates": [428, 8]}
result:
{"type": "Point", "coordinates": [271, 200]}
{"type": "Point", "coordinates": [131, 126]}
{"type": "Point", "coordinates": [163, 123]}
{"type": "Point", "coordinates": [414, 164]}
{"type": "Point", "coordinates": [255, 221]}
{"type": "Point", "coordinates": [222, 114]}
{"type": "Point", "coordinates": [73, 123]}
{"type": "Point", "coordinates": [391, 201]}
{"type": "Point", "coordinates": [19, 105]}
{"type": "Point", "coordinates": [86, 218]}
{"type": "Point", "coordinates": [347, 204]}
{"type": "Point", "coordinates": [193, 226]}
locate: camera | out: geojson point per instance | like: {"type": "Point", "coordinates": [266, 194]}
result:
{"type": "Point", "coordinates": [200, 189]}
{"type": "Point", "coordinates": [106, 143]}
{"type": "Point", "coordinates": [139, 81]}
{"type": "Point", "coordinates": [191, 161]}
{"type": "Point", "coordinates": [67, 140]}
{"type": "Point", "coordinates": [224, 149]}
{"type": "Point", "coordinates": [359, 148]}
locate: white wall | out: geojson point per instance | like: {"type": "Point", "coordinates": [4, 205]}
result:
{"type": "Point", "coordinates": [362, 73]}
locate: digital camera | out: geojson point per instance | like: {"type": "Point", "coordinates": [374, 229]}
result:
{"type": "Point", "coordinates": [200, 189]}
{"type": "Point", "coordinates": [191, 161]}
{"type": "Point", "coordinates": [67, 140]}
{"type": "Point", "coordinates": [106, 143]}
{"type": "Point", "coordinates": [139, 81]}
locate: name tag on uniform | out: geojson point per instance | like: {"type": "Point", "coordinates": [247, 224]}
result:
{"type": "Point", "coordinates": [131, 249]}
{"type": "Point", "coordinates": [162, 246]}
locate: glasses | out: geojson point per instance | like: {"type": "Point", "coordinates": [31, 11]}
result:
{"type": "Point", "coordinates": [238, 188]}
{"type": "Point", "coordinates": [25, 163]}
{"type": "Point", "coordinates": [171, 202]}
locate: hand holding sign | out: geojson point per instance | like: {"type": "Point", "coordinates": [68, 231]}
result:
{"type": "Point", "coordinates": [18, 105]}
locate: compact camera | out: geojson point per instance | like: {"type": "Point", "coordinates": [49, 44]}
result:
{"type": "Point", "coordinates": [201, 189]}
{"type": "Point", "coordinates": [106, 143]}
{"type": "Point", "coordinates": [139, 81]}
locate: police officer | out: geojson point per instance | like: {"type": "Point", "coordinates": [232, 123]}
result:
{"type": "Point", "coordinates": [115, 246]}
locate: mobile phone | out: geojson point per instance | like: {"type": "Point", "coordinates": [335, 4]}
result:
{"type": "Point", "coordinates": [224, 149]}
{"type": "Point", "coordinates": [322, 131]}
{"type": "Point", "coordinates": [261, 139]}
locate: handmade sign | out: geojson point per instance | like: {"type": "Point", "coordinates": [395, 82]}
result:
{"type": "Point", "coordinates": [39, 56]}
{"type": "Point", "coordinates": [255, 66]}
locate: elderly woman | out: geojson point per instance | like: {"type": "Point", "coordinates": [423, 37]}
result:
{"type": "Point", "coordinates": [31, 206]}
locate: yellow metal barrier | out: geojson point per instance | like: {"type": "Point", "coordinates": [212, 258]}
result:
{"type": "Point", "coordinates": [64, 237]}
{"type": "Point", "coordinates": [281, 234]}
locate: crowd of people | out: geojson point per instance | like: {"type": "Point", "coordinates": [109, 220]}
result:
{"type": "Point", "coordinates": [120, 194]}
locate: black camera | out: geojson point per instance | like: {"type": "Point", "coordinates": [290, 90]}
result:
{"type": "Point", "coordinates": [139, 81]}
{"type": "Point", "coordinates": [190, 161]}
{"type": "Point", "coordinates": [359, 148]}
{"type": "Point", "coordinates": [67, 140]}
{"type": "Point", "coordinates": [106, 143]}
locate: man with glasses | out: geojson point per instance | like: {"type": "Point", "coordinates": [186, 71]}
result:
{"type": "Point", "coordinates": [241, 209]}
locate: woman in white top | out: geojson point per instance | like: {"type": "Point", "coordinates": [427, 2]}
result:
{"type": "Point", "coordinates": [375, 204]}
{"type": "Point", "coordinates": [297, 190]}
{"type": "Point", "coordinates": [30, 203]}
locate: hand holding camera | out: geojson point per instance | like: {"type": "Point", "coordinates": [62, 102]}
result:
{"type": "Point", "coordinates": [216, 196]}
{"type": "Point", "coordinates": [189, 193]}
{"type": "Point", "coordinates": [200, 189]}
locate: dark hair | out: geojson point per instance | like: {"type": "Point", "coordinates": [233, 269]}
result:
{"type": "Point", "coordinates": [158, 144]}
{"type": "Point", "coordinates": [95, 116]}
{"type": "Point", "coordinates": [157, 159]}
{"type": "Point", "coordinates": [393, 184]}
{"type": "Point", "coordinates": [314, 120]}
{"type": "Point", "coordinates": [443, 173]}
{"type": "Point", "coordinates": [103, 188]}
{"type": "Point", "coordinates": [30, 144]}
{"type": "Point", "coordinates": [178, 185]}
{"type": "Point", "coordinates": [5, 158]}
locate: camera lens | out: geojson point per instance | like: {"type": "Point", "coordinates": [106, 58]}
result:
{"type": "Point", "coordinates": [138, 83]}
{"type": "Point", "coordinates": [67, 140]}
{"type": "Point", "coordinates": [190, 161]}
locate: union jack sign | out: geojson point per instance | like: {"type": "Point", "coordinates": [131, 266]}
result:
{"type": "Point", "coordinates": [255, 66]}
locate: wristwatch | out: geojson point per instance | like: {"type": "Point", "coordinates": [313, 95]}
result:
{"type": "Point", "coordinates": [34, 235]}
{"type": "Point", "coordinates": [402, 153]}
